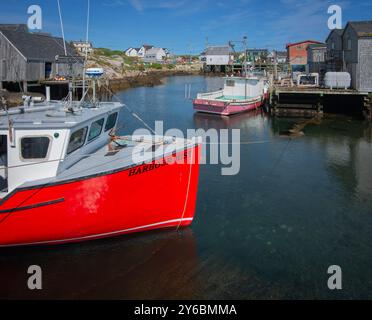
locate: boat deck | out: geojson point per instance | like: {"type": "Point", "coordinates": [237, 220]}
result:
{"type": "Point", "coordinates": [104, 162]}
{"type": "Point", "coordinates": [53, 115]}
{"type": "Point", "coordinates": [233, 98]}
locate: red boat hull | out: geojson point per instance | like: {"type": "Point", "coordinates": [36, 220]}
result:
{"type": "Point", "coordinates": [145, 197]}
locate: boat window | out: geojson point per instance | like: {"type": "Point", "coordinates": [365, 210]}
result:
{"type": "Point", "coordinates": [34, 147]}
{"type": "Point", "coordinates": [111, 121]}
{"type": "Point", "coordinates": [230, 83]}
{"type": "Point", "coordinates": [95, 129]}
{"type": "Point", "coordinates": [77, 140]}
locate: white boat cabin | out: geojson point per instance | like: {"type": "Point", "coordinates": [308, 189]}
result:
{"type": "Point", "coordinates": [39, 142]}
{"type": "Point", "coordinates": [238, 88]}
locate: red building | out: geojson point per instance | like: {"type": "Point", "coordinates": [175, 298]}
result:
{"type": "Point", "coordinates": [297, 54]}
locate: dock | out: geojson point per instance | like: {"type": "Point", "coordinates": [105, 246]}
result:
{"type": "Point", "coordinates": [310, 101]}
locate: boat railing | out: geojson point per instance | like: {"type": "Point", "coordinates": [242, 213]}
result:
{"type": "Point", "coordinates": [210, 95]}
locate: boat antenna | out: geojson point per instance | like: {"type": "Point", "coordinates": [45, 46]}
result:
{"type": "Point", "coordinates": [245, 54]}
{"type": "Point", "coordinates": [63, 31]}
{"type": "Point", "coordinates": [245, 64]}
{"type": "Point", "coordinates": [86, 48]}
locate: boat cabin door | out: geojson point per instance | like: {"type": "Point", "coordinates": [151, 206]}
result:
{"type": "Point", "coordinates": [3, 164]}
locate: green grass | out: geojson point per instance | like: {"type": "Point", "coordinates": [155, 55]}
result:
{"type": "Point", "coordinates": [108, 52]}
{"type": "Point", "coordinates": [156, 66]}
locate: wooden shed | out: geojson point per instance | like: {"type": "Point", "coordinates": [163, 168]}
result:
{"type": "Point", "coordinates": [357, 47]}
{"type": "Point", "coordinates": [31, 57]}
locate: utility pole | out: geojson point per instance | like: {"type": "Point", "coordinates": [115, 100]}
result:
{"type": "Point", "coordinates": [275, 65]}
{"type": "Point", "coordinates": [245, 54]}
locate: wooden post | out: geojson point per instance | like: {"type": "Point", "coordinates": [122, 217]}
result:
{"type": "Point", "coordinates": [25, 86]}
{"type": "Point", "coordinates": [370, 107]}
{"type": "Point", "coordinates": [274, 103]}
{"type": "Point", "coordinates": [367, 107]}
{"type": "Point", "coordinates": [320, 104]}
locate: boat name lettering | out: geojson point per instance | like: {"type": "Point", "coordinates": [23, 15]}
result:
{"type": "Point", "coordinates": [144, 169]}
{"type": "Point", "coordinates": [157, 165]}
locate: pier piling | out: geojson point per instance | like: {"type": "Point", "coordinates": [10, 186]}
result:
{"type": "Point", "coordinates": [368, 107]}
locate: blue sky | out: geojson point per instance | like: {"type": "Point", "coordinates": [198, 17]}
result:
{"type": "Point", "coordinates": [183, 25]}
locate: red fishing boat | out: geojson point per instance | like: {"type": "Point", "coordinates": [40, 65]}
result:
{"type": "Point", "coordinates": [65, 177]}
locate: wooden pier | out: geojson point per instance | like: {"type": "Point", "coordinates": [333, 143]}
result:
{"type": "Point", "coordinates": [368, 107]}
{"type": "Point", "coordinates": [310, 101]}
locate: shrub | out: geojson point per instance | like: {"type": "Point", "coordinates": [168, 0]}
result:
{"type": "Point", "coordinates": [156, 66]}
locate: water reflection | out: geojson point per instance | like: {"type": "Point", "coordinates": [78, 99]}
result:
{"type": "Point", "coordinates": [131, 267]}
{"type": "Point", "coordinates": [252, 118]}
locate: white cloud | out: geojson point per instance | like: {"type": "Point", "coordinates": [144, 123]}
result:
{"type": "Point", "coordinates": [136, 4]}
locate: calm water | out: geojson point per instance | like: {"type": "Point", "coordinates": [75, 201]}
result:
{"type": "Point", "coordinates": [297, 206]}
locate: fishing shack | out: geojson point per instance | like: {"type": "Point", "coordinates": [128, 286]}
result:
{"type": "Point", "coordinates": [28, 58]}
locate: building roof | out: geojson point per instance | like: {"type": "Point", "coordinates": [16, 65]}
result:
{"type": "Point", "coordinates": [131, 49]}
{"type": "Point", "coordinates": [38, 47]}
{"type": "Point", "coordinates": [14, 27]}
{"type": "Point", "coordinates": [154, 50]}
{"type": "Point", "coordinates": [297, 43]}
{"type": "Point", "coordinates": [217, 51]}
{"type": "Point", "coordinates": [281, 53]}
{"type": "Point", "coordinates": [257, 50]}
{"type": "Point", "coordinates": [317, 45]}
{"type": "Point", "coordinates": [339, 32]}
{"type": "Point", "coordinates": [362, 28]}
{"type": "Point", "coordinates": [147, 46]}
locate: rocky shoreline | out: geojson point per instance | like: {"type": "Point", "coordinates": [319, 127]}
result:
{"type": "Point", "coordinates": [140, 79]}
{"type": "Point", "coordinates": [148, 79]}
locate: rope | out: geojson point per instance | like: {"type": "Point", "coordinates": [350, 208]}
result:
{"type": "Point", "coordinates": [135, 115]}
{"type": "Point", "coordinates": [188, 189]}
{"type": "Point", "coordinates": [86, 49]}
{"type": "Point", "coordinates": [63, 31]}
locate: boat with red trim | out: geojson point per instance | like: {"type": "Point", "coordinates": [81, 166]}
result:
{"type": "Point", "coordinates": [239, 94]}
{"type": "Point", "coordinates": [66, 177]}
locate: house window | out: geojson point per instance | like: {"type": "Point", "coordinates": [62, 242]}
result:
{"type": "Point", "coordinates": [95, 129]}
{"type": "Point", "coordinates": [333, 46]}
{"type": "Point", "coordinates": [33, 148]}
{"type": "Point", "coordinates": [348, 44]}
{"type": "Point", "coordinates": [77, 140]}
{"type": "Point", "coordinates": [111, 121]}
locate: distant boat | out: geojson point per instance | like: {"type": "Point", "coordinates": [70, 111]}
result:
{"type": "Point", "coordinates": [239, 94]}
{"type": "Point", "coordinates": [94, 72]}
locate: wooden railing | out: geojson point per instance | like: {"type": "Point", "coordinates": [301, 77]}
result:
{"type": "Point", "coordinates": [210, 95]}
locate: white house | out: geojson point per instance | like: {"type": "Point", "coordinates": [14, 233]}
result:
{"type": "Point", "coordinates": [142, 51]}
{"type": "Point", "coordinates": [155, 55]}
{"type": "Point", "coordinates": [219, 56]}
{"type": "Point", "coordinates": [131, 52]}
{"type": "Point", "coordinates": [82, 46]}
{"type": "Point", "coordinates": [281, 56]}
